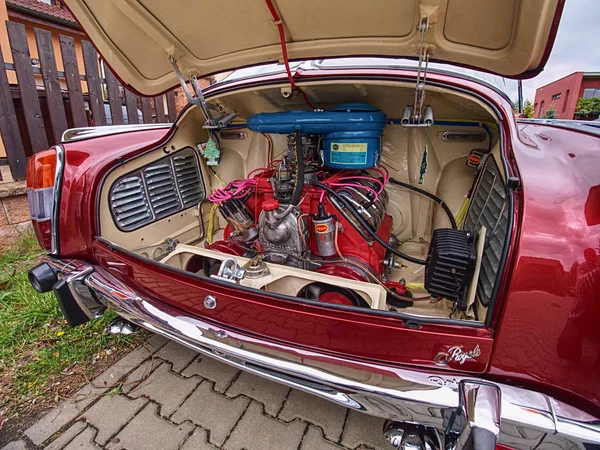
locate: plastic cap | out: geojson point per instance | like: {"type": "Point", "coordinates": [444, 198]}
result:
{"type": "Point", "coordinates": [270, 205]}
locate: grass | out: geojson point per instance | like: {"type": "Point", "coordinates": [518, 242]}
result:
{"type": "Point", "coordinates": [42, 359]}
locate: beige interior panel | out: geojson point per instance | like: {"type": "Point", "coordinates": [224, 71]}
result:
{"type": "Point", "coordinates": [490, 22]}
{"type": "Point", "coordinates": [334, 19]}
{"type": "Point", "coordinates": [183, 225]}
{"type": "Point", "coordinates": [137, 37]}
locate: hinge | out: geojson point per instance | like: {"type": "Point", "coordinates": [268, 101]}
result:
{"type": "Point", "coordinates": [417, 116]}
{"type": "Point", "coordinates": [219, 121]}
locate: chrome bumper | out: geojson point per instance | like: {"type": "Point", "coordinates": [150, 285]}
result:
{"type": "Point", "coordinates": [527, 419]}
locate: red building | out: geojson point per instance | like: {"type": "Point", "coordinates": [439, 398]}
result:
{"type": "Point", "coordinates": [563, 94]}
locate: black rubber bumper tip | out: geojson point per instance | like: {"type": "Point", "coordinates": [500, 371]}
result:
{"type": "Point", "coordinates": [42, 278]}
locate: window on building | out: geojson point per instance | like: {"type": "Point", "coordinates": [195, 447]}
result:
{"type": "Point", "coordinates": [591, 92]}
{"type": "Point", "coordinates": [556, 96]}
{"type": "Point", "coordinates": [541, 109]}
{"type": "Point", "coordinates": [566, 100]}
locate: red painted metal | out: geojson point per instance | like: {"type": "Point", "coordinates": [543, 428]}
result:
{"type": "Point", "coordinates": [86, 162]}
{"type": "Point", "coordinates": [341, 270]}
{"type": "Point", "coordinates": [332, 331]}
{"type": "Point", "coordinates": [547, 336]}
{"type": "Point", "coordinates": [350, 242]}
{"type": "Point", "coordinates": [227, 247]}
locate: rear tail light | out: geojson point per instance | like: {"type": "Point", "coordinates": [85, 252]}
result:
{"type": "Point", "coordinates": [44, 171]}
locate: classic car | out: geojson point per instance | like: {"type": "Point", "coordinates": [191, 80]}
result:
{"type": "Point", "coordinates": [379, 230]}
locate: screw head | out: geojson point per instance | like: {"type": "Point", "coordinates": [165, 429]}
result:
{"type": "Point", "coordinates": [210, 302]}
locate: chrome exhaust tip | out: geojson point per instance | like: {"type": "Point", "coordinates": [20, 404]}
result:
{"type": "Point", "coordinates": [411, 436]}
{"type": "Point", "coordinates": [121, 326]}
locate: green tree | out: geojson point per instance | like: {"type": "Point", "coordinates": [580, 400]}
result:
{"type": "Point", "coordinates": [588, 106]}
{"type": "Point", "coordinates": [528, 110]}
{"type": "Point", "coordinates": [550, 112]}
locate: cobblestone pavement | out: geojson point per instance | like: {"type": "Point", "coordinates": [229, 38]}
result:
{"type": "Point", "coordinates": [167, 397]}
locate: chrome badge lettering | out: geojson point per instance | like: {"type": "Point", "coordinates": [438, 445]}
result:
{"type": "Point", "coordinates": [444, 382]}
{"type": "Point", "coordinates": [457, 354]}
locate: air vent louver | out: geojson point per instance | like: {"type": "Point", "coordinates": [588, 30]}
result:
{"type": "Point", "coordinates": [156, 191]}
{"type": "Point", "coordinates": [187, 172]}
{"type": "Point", "coordinates": [160, 185]}
{"type": "Point", "coordinates": [489, 208]}
{"type": "Point", "coordinates": [129, 203]}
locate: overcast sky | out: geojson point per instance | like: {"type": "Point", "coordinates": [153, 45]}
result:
{"type": "Point", "coordinates": [577, 45]}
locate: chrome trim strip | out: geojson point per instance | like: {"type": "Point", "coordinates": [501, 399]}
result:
{"type": "Point", "coordinates": [79, 134]}
{"type": "Point", "coordinates": [398, 394]}
{"type": "Point", "coordinates": [591, 127]}
{"type": "Point", "coordinates": [58, 176]}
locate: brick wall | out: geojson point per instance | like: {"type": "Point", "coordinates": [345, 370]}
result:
{"type": "Point", "coordinates": [181, 99]}
{"type": "Point", "coordinates": [14, 213]}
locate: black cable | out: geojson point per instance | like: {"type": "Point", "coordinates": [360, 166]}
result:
{"type": "Point", "coordinates": [299, 185]}
{"type": "Point", "coordinates": [430, 195]}
{"type": "Point", "coordinates": [366, 226]}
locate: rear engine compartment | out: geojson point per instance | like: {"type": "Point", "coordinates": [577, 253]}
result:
{"type": "Point", "coordinates": [342, 206]}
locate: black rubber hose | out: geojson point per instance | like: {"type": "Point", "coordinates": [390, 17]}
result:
{"type": "Point", "coordinates": [366, 226]}
{"type": "Point", "coordinates": [430, 195]}
{"type": "Point", "coordinates": [299, 185]}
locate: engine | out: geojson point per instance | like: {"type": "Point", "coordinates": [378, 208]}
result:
{"type": "Point", "coordinates": [321, 207]}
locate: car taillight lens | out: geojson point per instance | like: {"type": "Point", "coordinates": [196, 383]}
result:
{"type": "Point", "coordinates": [41, 179]}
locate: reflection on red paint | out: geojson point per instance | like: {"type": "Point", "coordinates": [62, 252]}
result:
{"type": "Point", "coordinates": [592, 206]}
{"type": "Point", "coordinates": [547, 336]}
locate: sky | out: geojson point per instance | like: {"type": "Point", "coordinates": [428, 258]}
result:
{"type": "Point", "coordinates": [577, 45]}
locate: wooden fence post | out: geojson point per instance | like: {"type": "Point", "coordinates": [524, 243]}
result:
{"type": "Point", "coordinates": [114, 97]}
{"type": "Point", "coordinates": [69, 57]}
{"type": "Point", "coordinates": [146, 110]}
{"type": "Point", "coordinates": [159, 107]}
{"type": "Point", "coordinates": [54, 100]}
{"type": "Point", "coordinates": [171, 106]}
{"type": "Point", "coordinates": [90, 61]}
{"type": "Point", "coordinates": [29, 95]}
{"type": "Point", "coordinates": [9, 128]}
{"type": "Point", "coordinates": [132, 107]}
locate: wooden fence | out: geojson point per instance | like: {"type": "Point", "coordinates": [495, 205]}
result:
{"type": "Point", "coordinates": [32, 119]}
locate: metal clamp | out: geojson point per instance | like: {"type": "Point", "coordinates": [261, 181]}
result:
{"type": "Point", "coordinates": [230, 271]}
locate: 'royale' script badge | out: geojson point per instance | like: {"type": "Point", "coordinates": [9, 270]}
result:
{"type": "Point", "coordinates": [457, 354]}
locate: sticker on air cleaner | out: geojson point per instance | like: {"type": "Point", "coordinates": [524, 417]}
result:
{"type": "Point", "coordinates": [345, 153]}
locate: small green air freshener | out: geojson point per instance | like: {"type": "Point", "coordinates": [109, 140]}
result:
{"type": "Point", "coordinates": [211, 152]}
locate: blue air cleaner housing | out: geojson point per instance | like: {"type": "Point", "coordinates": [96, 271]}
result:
{"type": "Point", "coordinates": [351, 132]}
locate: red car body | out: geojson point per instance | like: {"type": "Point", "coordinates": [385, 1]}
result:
{"type": "Point", "coordinates": [541, 335]}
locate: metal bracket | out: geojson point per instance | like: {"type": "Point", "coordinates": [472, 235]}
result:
{"type": "Point", "coordinates": [197, 98]}
{"type": "Point", "coordinates": [230, 271]}
{"type": "Point", "coordinates": [415, 116]}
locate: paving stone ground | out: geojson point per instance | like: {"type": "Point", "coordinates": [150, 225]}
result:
{"type": "Point", "coordinates": [165, 397]}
